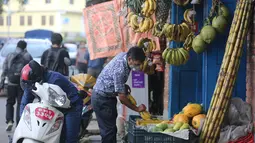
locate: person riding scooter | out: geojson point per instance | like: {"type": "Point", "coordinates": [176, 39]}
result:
{"type": "Point", "coordinates": [34, 72]}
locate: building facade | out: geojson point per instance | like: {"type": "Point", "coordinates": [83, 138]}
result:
{"type": "Point", "coordinates": [63, 16]}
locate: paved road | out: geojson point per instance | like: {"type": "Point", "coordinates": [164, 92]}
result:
{"type": "Point", "coordinates": [3, 133]}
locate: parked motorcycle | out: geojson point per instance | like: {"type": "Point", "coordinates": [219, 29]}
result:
{"type": "Point", "coordinates": [42, 121]}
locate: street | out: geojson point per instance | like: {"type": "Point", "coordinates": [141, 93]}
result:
{"type": "Point", "coordinates": [3, 133]}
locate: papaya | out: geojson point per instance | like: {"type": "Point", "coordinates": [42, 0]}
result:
{"type": "Point", "coordinates": [192, 109]}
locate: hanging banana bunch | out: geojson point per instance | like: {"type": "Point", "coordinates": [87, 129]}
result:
{"type": "Point", "coordinates": [139, 24]}
{"type": "Point", "coordinates": [188, 14]}
{"type": "Point", "coordinates": [173, 32]}
{"type": "Point", "coordinates": [176, 56]}
{"type": "Point", "coordinates": [147, 44]}
{"type": "Point", "coordinates": [148, 8]}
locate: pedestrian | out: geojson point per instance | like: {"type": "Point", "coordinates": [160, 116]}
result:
{"type": "Point", "coordinates": [12, 67]}
{"type": "Point", "coordinates": [81, 63]}
{"type": "Point", "coordinates": [111, 83]}
{"type": "Point", "coordinates": [94, 66]}
{"type": "Point", "coordinates": [53, 58]}
{"type": "Point", "coordinates": [32, 73]}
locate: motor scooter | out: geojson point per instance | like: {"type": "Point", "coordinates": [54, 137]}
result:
{"type": "Point", "coordinates": [42, 122]}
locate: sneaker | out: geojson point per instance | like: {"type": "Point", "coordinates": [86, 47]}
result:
{"type": "Point", "coordinates": [9, 126]}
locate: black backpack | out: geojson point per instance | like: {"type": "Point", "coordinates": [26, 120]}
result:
{"type": "Point", "coordinates": [15, 67]}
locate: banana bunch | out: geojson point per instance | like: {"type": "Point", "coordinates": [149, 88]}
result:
{"type": "Point", "coordinates": [142, 122]}
{"type": "Point", "coordinates": [157, 29]}
{"type": "Point", "coordinates": [147, 44]}
{"type": "Point", "coordinates": [175, 56]}
{"type": "Point", "coordinates": [188, 15]}
{"type": "Point", "coordinates": [175, 32]}
{"type": "Point", "coordinates": [131, 99]}
{"type": "Point", "coordinates": [145, 115]}
{"type": "Point", "coordinates": [147, 68]}
{"type": "Point", "coordinates": [188, 42]}
{"type": "Point", "coordinates": [148, 7]}
{"type": "Point", "coordinates": [143, 25]}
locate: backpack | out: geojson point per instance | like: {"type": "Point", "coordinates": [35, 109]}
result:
{"type": "Point", "coordinates": [15, 67]}
{"type": "Point", "coordinates": [49, 63]}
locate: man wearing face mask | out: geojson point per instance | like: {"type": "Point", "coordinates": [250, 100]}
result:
{"type": "Point", "coordinates": [111, 83]}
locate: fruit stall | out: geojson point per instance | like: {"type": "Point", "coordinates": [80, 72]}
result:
{"type": "Point", "coordinates": [205, 52]}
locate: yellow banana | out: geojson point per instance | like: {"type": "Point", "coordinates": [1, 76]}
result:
{"type": "Point", "coordinates": [151, 7]}
{"type": "Point", "coordinates": [154, 45]}
{"type": "Point", "coordinates": [186, 15]}
{"type": "Point", "coordinates": [134, 22]}
{"type": "Point", "coordinates": [145, 115]}
{"type": "Point", "coordinates": [140, 42]}
{"type": "Point", "coordinates": [145, 8]}
{"type": "Point", "coordinates": [129, 16]}
{"type": "Point", "coordinates": [132, 99]}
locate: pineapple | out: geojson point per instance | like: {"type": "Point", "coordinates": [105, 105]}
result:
{"type": "Point", "coordinates": [162, 11]}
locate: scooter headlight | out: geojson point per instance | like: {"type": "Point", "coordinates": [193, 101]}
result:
{"type": "Point", "coordinates": [56, 99]}
{"type": "Point", "coordinates": [56, 125]}
{"type": "Point", "coordinates": [27, 117]}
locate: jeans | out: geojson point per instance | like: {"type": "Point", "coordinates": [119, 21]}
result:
{"type": "Point", "coordinates": [106, 113]}
{"type": "Point", "coordinates": [13, 93]}
{"type": "Point", "coordinates": [71, 127]}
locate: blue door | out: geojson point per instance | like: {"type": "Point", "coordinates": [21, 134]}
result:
{"type": "Point", "coordinates": [213, 58]}
{"type": "Point", "coordinates": [195, 81]}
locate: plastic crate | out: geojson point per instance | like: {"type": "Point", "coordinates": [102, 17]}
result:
{"type": "Point", "coordinates": [136, 135]}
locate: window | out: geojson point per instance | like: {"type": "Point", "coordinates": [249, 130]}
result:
{"type": "Point", "coordinates": [22, 20]}
{"type": "Point", "coordinates": [1, 20]}
{"type": "Point", "coordinates": [43, 20]}
{"type": "Point", "coordinates": [71, 1]}
{"type": "Point", "coordinates": [51, 20]}
{"type": "Point", "coordinates": [29, 20]}
{"type": "Point", "coordinates": [47, 1]}
{"type": "Point", "coordinates": [9, 20]}
{"type": "Point", "coordinates": [5, 1]}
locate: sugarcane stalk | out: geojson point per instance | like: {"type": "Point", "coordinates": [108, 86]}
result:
{"type": "Point", "coordinates": [234, 73]}
{"type": "Point", "coordinates": [229, 49]}
{"type": "Point", "coordinates": [216, 92]}
{"type": "Point", "coordinates": [233, 70]}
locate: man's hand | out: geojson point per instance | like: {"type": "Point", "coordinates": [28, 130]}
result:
{"type": "Point", "coordinates": [141, 108]}
{"type": "Point", "coordinates": [124, 100]}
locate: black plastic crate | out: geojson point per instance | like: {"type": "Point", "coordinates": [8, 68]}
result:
{"type": "Point", "coordinates": [136, 135]}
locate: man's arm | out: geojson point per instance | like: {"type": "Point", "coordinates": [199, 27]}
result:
{"type": "Point", "coordinates": [43, 58]}
{"type": "Point", "coordinates": [5, 71]}
{"type": "Point", "coordinates": [119, 85]}
{"type": "Point", "coordinates": [27, 97]}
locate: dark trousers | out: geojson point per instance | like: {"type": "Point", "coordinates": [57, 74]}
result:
{"type": "Point", "coordinates": [82, 67]}
{"type": "Point", "coordinates": [13, 93]}
{"type": "Point", "coordinates": [71, 128]}
{"type": "Point", "coordinates": [106, 113]}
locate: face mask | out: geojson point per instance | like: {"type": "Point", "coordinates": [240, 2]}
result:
{"type": "Point", "coordinates": [135, 68]}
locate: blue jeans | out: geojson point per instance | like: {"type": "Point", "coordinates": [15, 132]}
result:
{"type": "Point", "coordinates": [106, 113]}
{"type": "Point", "coordinates": [71, 128]}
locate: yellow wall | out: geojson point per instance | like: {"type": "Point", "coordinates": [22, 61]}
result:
{"type": "Point", "coordinates": [60, 9]}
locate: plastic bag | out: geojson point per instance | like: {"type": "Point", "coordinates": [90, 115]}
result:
{"type": "Point", "coordinates": [238, 121]}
